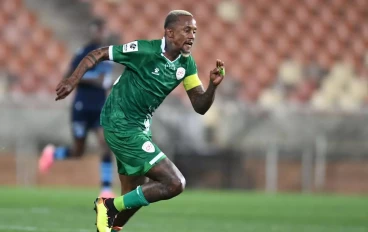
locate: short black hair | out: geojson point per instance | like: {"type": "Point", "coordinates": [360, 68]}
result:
{"type": "Point", "coordinates": [173, 17]}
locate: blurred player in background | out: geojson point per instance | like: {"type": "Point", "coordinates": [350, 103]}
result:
{"type": "Point", "coordinates": [153, 69]}
{"type": "Point", "coordinates": [90, 97]}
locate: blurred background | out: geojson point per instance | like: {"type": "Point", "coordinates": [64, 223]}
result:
{"type": "Point", "coordinates": [291, 115]}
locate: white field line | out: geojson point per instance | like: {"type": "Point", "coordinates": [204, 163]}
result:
{"type": "Point", "coordinates": [36, 228]}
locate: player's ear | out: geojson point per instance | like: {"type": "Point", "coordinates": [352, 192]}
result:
{"type": "Point", "coordinates": [169, 32]}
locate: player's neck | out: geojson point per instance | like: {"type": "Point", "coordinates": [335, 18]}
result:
{"type": "Point", "coordinates": [171, 53]}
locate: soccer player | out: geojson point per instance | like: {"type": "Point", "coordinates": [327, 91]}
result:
{"type": "Point", "coordinates": [86, 109]}
{"type": "Point", "coordinates": [153, 69]}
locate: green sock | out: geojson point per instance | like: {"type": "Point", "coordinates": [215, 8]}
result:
{"type": "Point", "coordinates": [119, 203]}
{"type": "Point", "coordinates": [131, 200]}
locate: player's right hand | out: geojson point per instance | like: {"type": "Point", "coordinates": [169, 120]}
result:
{"type": "Point", "coordinates": [64, 88]}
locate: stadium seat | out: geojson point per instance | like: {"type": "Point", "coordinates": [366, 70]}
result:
{"type": "Point", "coordinates": [5, 52]}
{"type": "Point", "coordinates": [333, 48]}
{"type": "Point", "coordinates": [28, 83]}
{"type": "Point", "coordinates": [4, 19]}
{"type": "Point", "coordinates": [312, 5]}
{"type": "Point", "coordinates": [272, 60]}
{"type": "Point", "coordinates": [250, 92]}
{"type": "Point", "coordinates": [26, 20]}
{"type": "Point", "coordinates": [324, 60]}
{"type": "Point", "coordinates": [16, 66]}
{"type": "Point", "coordinates": [55, 51]}
{"type": "Point", "coordinates": [41, 67]}
{"type": "Point", "coordinates": [238, 72]}
{"type": "Point", "coordinates": [290, 72]}
{"type": "Point", "coordinates": [347, 103]}
{"type": "Point", "coordinates": [268, 30]}
{"type": "Point", "coordinates": [343, 32]}
{"type": "Point", "coordinates": [276, 12]}
{"type": "Point", "coordinates": [41, 36]}
{"type": "Point", "coordinates": [229, 11]}
{"type": "Point", "coordinates": [293, 30]}
{"type": "Point", "coordinates": [11, 7]}
{"type": "Point", "coordinates": [27, 52]}
{"type": "Point", "coordinates": [357, 89]}
{"type": "Point", "coordinates": [264, 76]}
{"type": "Point", "coordinates": [11, 35]}
{"type": "Point", "coordinates": [302, 15]}
{"type": "Point", "coordinates": [352, 18]}
{"type": "Point", "coordinates": [102, 8]}
{"type": "Point", "coordinates": [359, 48]}
{"type": "Point", "coordinates": [271, 99]}
{"type": "Point", "coordinates": [321, 103]}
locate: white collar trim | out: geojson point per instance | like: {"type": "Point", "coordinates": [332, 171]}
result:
{"type": "Point", "coordinates": [163, 45]}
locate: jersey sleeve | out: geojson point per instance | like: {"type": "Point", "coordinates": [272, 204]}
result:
{"type": "Point", "coordinates": [129, 54]}
{"type": "Point", "coordinates": [191, 79]}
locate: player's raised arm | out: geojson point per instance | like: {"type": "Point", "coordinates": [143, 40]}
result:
{"type": "Point", "coordinates": [202, 100]}
{"type": "Point", "coordinates": [66, 86]}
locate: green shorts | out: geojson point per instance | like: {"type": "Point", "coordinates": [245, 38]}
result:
{"type": "Point", "coordinates": [135, 154]}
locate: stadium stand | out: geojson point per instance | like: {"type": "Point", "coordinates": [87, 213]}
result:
{"type": "Point", "coordinates": [297, 52]}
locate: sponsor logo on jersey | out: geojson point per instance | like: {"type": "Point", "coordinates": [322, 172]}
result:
{"type": "Point", "coordinates": [156, 72]}
{"type": "Point", "coordinates": [180, 73]}
{"type": "Point", "coordinates": [130, 47]}
{"type": "Point", "coordinates": [148, 147]}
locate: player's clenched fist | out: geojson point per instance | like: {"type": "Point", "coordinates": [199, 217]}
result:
{"type": "Point", "coordinates": [64, 88]}
{"type": "Point", "coordinates": [217, 74]}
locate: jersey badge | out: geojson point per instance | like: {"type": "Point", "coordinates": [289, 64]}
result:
{"type": "Point", "coordinates": [148, 147]}
{"type": "Point", "coordinates": [180, 73]}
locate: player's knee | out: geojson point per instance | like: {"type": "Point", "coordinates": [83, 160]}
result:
{"type": "Point", "coordinates": [176, 186]}
{"type": "Point", "coordinates": [183, 182]}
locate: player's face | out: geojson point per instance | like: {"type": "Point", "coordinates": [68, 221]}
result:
{"type": "Point", "coordinates": [184, 33]}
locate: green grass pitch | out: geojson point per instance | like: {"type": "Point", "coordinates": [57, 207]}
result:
{"type": "Point", "coordinates": [70, 210]}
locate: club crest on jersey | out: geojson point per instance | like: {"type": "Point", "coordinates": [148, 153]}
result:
{"type": "Point", "coordinates": [148, 147]}
{"type": "Point", "coordinates": [130, 47]}
{"type": "Point", "coordinates": [180, 73]}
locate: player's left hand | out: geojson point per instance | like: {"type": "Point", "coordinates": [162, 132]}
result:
{"type": "Point", "coordinates": [217, 75]}
{"type": "Point", "coordinates": [64, 88]}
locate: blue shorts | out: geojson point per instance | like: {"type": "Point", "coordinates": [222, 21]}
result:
{"type": "Point", "coordinates": [83, 120]}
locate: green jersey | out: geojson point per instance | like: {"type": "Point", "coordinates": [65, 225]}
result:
{"type": "Point", "coordinates": [146, 81]}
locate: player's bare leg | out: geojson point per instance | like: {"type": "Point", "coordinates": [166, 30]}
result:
{"type": "Point", "coordinates": [50, 153]}
{"type": "Point", "coordinates": [167, 183]}
{"type": "Point", "coordinates": [128, 183]}
{"type": "Point", "coordinates": [106, 166]}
